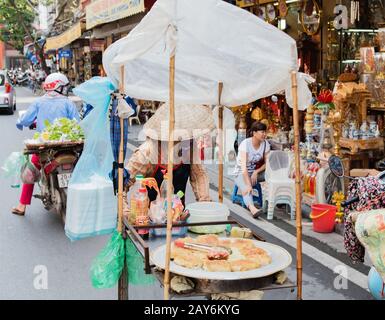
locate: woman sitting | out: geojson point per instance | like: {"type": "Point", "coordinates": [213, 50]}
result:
{"type": "Point", "coordinates": [251, 164]}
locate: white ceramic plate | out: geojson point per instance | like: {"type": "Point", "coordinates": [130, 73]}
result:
{"type": "Point", "coordinates": [280, 257]}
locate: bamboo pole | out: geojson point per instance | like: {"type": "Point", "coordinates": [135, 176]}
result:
{"type": "Point", "coordinates": [220, 143]}
{"type": "Point", "coordinates": [298, 212]}
{"type": "Point", "coordinates": [170, 177]}
{"type": "Point", "coordinates": [121, 159]}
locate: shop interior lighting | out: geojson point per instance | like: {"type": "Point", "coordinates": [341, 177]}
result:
{"type": "Point", "coordinates": [362, 30]}
{"type": "Point", "coordinates": [351, 61]}
{"type": "Point", "coordinates": [282, 24]}
{"type": "Point", "coordinates": [287, 1]}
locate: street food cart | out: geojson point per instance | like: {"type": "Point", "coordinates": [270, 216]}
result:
{"type": "Point", "coordinates": [206, 52]}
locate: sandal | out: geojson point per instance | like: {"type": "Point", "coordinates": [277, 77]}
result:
{"type": "Point", "coordinates": [18, 212]}
{"type": "Point", "coordinates": [257, 214]}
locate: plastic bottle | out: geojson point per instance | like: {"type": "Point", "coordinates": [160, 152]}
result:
{"type": "Point", "coordinates": [177, 206]}
{"type": "Point", "coordinates": [163, 188]}
{"type": "Point", "coordinates": [312, 182]}
{"type": "Point", "coordinates": [142, 217]}
{"type": "Point", "coordinates": [134, 191]}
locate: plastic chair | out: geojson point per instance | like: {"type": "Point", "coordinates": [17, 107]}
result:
{"type": "Point", "coordinates": [136, 118]}
{"type": "Point", "coordinates": [237, 198]}
{"type": "Point", "coordinates": [280, 188]}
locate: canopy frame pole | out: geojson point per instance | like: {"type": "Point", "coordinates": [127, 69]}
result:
{"type": "Point", "coordinates": [121, 159]}
{"type": "Point", "coordinates": [170, 177]}
{"type": "Point", "coordinates": [123, 279]}
{"type": "Point", "coordinates": [298, 212]}
{"type": "Point", "coordinates": [220, 143]}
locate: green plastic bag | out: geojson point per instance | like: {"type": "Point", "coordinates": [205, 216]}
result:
{"type": "Point", "coordinates": [11, 168]}
{"type": "Point", "coordinates": [135, 266]}
{"type": "Point", "coordinates": [108, 265]}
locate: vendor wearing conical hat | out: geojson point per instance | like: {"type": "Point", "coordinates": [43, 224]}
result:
{"type": "Point", "coordinates": [150, 159]}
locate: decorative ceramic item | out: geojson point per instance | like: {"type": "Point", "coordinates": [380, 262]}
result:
{"type": "Point", "coordinates": [381, 38]}
{"type": "Point", "coordinates": [352, 129]}
{"type": "Point", "coordinates": [367, 59]}
{"type": "Point", "coordinates": [345, 132]}
{"type": "Point", "coordinates": [372, 126]}
{"type": "Point", "coordinates": [356, 134]}
{"type": "Point", "coordinates": [380, 65]}
{"type": "Point", "coordinates": [377, 133]}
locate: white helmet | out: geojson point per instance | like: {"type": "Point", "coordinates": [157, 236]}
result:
{"type": "Point", "coordinates": [55, 81]}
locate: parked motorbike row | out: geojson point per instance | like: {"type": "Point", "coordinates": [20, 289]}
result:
{"type": "Point", "coordinates": [33, 79]}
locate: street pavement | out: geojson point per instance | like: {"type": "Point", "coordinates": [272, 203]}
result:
{"type": "Point", "coordinates": [36, 243]}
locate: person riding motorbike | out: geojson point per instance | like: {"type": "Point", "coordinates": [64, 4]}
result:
{"type": "Point", "coordinates": [53, 105]}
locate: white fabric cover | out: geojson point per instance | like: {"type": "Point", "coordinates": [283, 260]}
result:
{"type": "Point", "coordinates": [214, 42]}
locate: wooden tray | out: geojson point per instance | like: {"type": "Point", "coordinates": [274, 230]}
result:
{"type": "Point", "coordinates": [47, 145]}
{"type": "Point", "coordinates": [358, 145]}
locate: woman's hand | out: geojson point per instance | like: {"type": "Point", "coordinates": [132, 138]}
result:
{"type": "Point", "coordinates": [254, 177]}
{"type": "Point", "coordinates": [247, 191]}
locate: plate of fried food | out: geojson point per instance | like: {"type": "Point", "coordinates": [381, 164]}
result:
{"type": "Point", "coordinates": [216, 258]}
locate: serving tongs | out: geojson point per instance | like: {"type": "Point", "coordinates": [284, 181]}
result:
{"type": "Point", "coordinates": [213, 252]}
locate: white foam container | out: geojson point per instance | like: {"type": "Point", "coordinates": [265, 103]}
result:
{"type": "Point", "coordinates": [208, 212]}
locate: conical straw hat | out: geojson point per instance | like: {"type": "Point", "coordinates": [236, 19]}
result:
{"type": "Point", "coordinates": [191, 121]}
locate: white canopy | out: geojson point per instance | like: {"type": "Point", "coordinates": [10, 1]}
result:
{"type": "Point", "coordinates": [214, 42]}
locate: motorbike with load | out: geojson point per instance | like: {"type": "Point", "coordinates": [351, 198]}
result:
{"type": "Point", "coordinates": [54, 154]}
{"type": "Point", "coordinates": [57, 162]}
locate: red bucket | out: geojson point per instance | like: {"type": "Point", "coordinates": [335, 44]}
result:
{"type": "Point", "coordinates": [323, 216]}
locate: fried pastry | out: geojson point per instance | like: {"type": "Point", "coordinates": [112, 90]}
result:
{"type": "Point", "coordinates": [243, 243]}
{"type": "Point", "coordinates": [217, 266]}
{"type": "Point", "coordinates": [209, 239]}
{"type": "Point", "coordinates": [245, 255]}
{"type": "Point", "coordinates": [262, 259]}
{"type": "Point", "coordinates": [243, 265]}
{"type": "Point", "coordinates": [188, 260]}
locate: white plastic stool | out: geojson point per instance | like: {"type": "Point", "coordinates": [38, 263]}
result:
{"type": "Point", "coordinates": [280, 188]}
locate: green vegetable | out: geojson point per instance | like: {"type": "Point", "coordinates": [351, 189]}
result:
{"type": "Point", "coordinates": [61, 129]}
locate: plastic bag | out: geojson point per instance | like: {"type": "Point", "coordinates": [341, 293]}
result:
{"type": "Point", "coordinates": [108, 265]}
{"type": "Point", "coordinates": [135, 266]}
{"type": "Point", "coordinates": [11, 168]}
{"type": "Point", "coordinates": [29, 173]}
{"type": "Point", "coordinates": [91, 204]}
{"type": "Point", "coordinates": [125, 110]}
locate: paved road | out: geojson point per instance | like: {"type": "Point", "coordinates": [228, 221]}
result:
{"type": "Point", "coordinates": [38, 239]}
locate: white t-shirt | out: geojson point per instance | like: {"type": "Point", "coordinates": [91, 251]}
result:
{"type": "Point", "coordinates": [253, 155]}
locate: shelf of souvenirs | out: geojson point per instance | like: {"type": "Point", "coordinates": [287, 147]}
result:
{"type": "Point", "coordinates": [377, 106]}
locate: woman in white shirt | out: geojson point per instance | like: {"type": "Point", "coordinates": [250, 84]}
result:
{"type": "Point", "coordinates": [251, 164]}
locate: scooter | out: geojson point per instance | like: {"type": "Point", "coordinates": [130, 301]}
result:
{"type": "Point", "coordinates": [57, 163]}
{"type": "Point", "coordinates": [22, 79]}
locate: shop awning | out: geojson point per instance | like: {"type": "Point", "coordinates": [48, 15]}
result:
{"type": "Point", "coordinates": [65, 38]}
{"type": "Point", "coordinates": [104, 11]}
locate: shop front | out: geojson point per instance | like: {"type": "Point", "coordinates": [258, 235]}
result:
{"type": "Point", "coordinates": [341, 44]}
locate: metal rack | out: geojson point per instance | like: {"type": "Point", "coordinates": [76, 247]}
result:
{"type": "Point", "coordinates": [202, 287]}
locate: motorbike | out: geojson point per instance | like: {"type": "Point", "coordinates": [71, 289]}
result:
{"type": "Point", "coordinates": [57, 164]}
{"type": "Point", "coordinates": [22, 79]}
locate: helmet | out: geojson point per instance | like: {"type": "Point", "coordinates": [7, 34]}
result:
{"type": "Point", "coordinates": [54, 81]}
